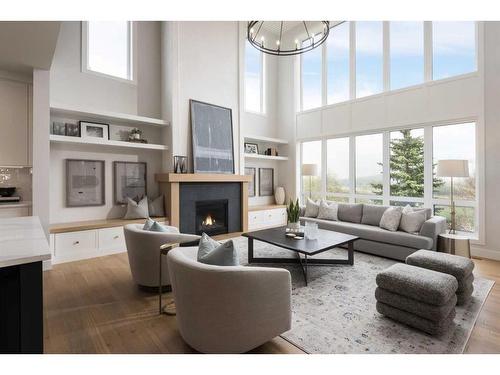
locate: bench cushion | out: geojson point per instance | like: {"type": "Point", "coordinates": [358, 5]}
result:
{"type": "Point", "coordinates": [434, 288]}
{"type": "Point", "coordinates": [454, 265]}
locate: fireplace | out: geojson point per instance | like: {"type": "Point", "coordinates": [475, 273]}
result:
{"type": "Point", "coordinates": [211, 217]}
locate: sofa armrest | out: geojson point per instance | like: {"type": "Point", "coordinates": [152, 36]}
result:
{"type": "Point", "coordinates": [432, 228]}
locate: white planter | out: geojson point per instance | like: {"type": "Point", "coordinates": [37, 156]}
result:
{"type": "Point", "coordinates": [279, 195]}
{"type": "Point", "coordinates": [294, 226]}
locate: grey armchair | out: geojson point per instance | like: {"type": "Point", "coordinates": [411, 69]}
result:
{"type": "Point", "coordinates": [143, 249]}
{"type": "Point", "coordinates": [229, 309]}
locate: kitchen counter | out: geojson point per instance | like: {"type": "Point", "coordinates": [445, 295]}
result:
{"type": "Point", "coordinates": [22, 240]}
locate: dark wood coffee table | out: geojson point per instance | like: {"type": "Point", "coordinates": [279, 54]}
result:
{"type": "Point", "coordinates": [326, 240]}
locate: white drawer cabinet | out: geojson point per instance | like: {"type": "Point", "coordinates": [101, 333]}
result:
{"type": "Point", "coordinates": [75, 245]}
{"type": "Point", "coordinates": [111, 240]}
{"type": "Point", "coordinates": [266, 218]}
{"type": "Point", "coordinates": [14, 212]}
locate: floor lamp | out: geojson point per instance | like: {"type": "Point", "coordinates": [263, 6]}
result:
{"type": "Point", "coordinates": [310, 170]}
{"type": "Point", "coordinates": [452, 168]}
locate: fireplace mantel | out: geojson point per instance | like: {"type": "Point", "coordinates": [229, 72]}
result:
{"type": "Point", "coordinates": [170, 188]}
{"type": "Point", "coordinates": [201, 177]}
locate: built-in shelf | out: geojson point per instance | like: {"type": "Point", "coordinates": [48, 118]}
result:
{"type": "Point", "coordinates": [265, 157]}
{"type": "Point", "coordinates": [105, 142]}
{"type": "Point", "coordinates": [258, 138]}
{"type": "Point", "coordinates": [89, 115]}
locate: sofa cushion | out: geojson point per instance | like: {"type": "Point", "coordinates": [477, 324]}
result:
{"type": "Point", "coordinates": [328, 210]}
{"type": "Point", "coordinates": [350, 212]}
{"type": "Point", "coordinates": [372, 233]}
{"type": "Point", "coordinates": [391, 218]}
{"type": "Point", "coordinates": [312, 208]}
{"type": "Point", "coordinates": [372, 213]}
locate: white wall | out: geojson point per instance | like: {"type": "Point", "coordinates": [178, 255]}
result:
{"type": "Point", "coordinates": [71, 87]}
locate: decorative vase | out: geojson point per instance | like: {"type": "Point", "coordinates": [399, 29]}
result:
{"type": "Point", "coordinates": [279, 195]}
{"type": "Point", "coordinates": [294, 227]}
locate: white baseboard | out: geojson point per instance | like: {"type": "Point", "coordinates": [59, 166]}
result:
{"type": "Point", "coordinates": [481, 252]}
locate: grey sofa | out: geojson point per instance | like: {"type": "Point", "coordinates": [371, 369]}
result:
{"type": "Point", "coordinates": [363, 220]}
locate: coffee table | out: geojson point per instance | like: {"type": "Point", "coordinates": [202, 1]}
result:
{"type": "Point", "coordinates": [326, 240]}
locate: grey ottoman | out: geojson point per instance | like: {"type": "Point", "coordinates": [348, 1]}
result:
{"type": "Point", "coordinates": [457, 266]}
{"type": "Point", "coordinates": [418, 297]}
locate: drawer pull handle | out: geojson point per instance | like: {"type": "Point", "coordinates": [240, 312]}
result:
{"type": "Point", "coordinates": [116, 237]}
{"type": "Point", "coordinates": [76, 242]}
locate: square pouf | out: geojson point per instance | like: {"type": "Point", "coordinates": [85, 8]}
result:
{"type": "Point", "coordinates": [457, 266]}
{"type": "Point", "coordinates": [418, 297]}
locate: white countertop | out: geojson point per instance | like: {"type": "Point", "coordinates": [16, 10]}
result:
{"type": "Point", "coordinates": [22, 240]}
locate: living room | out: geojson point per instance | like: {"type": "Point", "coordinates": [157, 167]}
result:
{"type": "Point", "coordinates": [204, 184]}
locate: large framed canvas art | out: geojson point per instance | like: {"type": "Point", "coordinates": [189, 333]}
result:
{"type": "Point", "coordinates": [84, 183]}
{"type": "Point", "coordinates": [212, 132]}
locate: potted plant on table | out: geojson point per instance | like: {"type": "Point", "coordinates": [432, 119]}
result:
{"type": "Point", "coordinates": [293, 214]}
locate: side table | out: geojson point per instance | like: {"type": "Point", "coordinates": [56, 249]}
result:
{"type": "Point", "coordinates": [454, 244]}
{"type": "Point", "coordinates": [169, 308]}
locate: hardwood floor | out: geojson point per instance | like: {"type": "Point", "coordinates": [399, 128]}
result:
{"type": "Point", "coordinates": [92, 306]}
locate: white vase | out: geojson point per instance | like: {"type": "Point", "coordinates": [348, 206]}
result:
{"type": "Point", "coordinates": [294, 227]}
{"type": "Point", "coordinates": [279, 195]}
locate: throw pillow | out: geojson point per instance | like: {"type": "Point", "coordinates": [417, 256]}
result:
{"type": "Point", "coordinates": [412, 220]}
{"type": "Point", "coordinates": [312, 208]}
{"type": "Point", "coordinates": [391, 218]}
{"type": "Point", "coordinates": [328, 211]}
{"type": "Point", "coordinates": [156, 207]}
{"type": "Point", "coordinates": [148, 224]}
{"type": "Point", "coordinates": [157, 227]}
{"type": "Point", "coordinates": [137, 210]}
{"type": "Point", "coordinates": [211, 252]}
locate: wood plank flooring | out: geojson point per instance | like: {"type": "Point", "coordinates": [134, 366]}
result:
{"type": "Point", "coordinates": [92, 306]}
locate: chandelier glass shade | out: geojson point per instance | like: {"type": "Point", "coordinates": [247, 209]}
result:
{"type": "Point", "coordinates": [287, 38]}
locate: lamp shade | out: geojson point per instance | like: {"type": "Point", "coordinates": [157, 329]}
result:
{"type": "Point", "coordinates": [452, 168]}
{"type": "Point", "coordinates": [309, 169]}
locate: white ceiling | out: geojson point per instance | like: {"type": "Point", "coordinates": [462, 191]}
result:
{"type": "Point", "coordinates": [27, 45]}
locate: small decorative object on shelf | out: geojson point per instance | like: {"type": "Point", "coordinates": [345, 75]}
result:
{"type": "Point", "coordinates": [251, 148]}
{"type": "Point", "coordinates": [135, 135]}
{"type": "Point", "coordinates": [293, 214]}
{"type": "Point", "coordinates": [180, 164]}
{"type": "Point", "coordinates": [72, 130]}
{"type": "Point", "coordinates": [279, 195]}
{"type": "Point", "coordinates": [94, 130]}
{"type": "Point", "coordinates": [58, 128]}
{"type": "Point", "coordinates": [271, 152]}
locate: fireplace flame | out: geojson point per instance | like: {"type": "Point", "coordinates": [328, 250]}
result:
{"type": "Point", "coordinates": [208, 221]}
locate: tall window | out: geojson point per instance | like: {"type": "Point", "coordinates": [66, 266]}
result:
{"type": "Point", "coordinates": [338, 64]}
{"type": "Point", "coordinates": [337, 167]}
{"type": "Point", "coordinates": [311, 154]}
{"type": "Point", "coordinates": [369, 58]}
{"type": "Point", "coordinates": [406, 163]}
{"type": "Point", "coordinates": [254, 79]}
{"type": "Point", "coordinates": [453, 48]}
{"type": "Point", "coordinates": [369, 155]}
{"type": "Point", "coordinates": [407, 54]}
{"type": "Point", "coordinates": [107, 48]}
{"type": "Point", "coordinates": [456, 142]}
{"type": "Point", "coordinates": [311, 78]}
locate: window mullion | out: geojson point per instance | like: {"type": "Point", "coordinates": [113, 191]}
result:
{"type": "Point", "coordinates": [428, 167]}
{"type": "Point", "coordinates": [352, 168]}
{"type": "Point", "coordinates": [386, 175]}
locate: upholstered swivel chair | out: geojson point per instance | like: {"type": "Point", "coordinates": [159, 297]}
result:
{"type": "Point", "coordinates": [228, 309]}
{"type": "Point", "coordinates": [143, 249]}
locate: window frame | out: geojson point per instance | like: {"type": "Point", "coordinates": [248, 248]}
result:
{"type": "Point", "coordinates": [262, 82]}
{"type": "Point", "coordinates": [428, 199]}
{"type": "Point", "coordinates": [131, 60]}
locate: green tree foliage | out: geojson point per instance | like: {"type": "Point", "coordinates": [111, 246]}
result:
{"type": "Point", "coordinates": [407, 167]}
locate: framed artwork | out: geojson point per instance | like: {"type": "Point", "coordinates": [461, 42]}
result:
{"type": "Point", "coordinates": [251, 148]}
{"type": "Point", "coordinates": [130, 181]}
{"type": "Point", "coordinates": [212, 137]}
{"type": "Point", "coordinates": [58, 128]}
{"type": "Point", "coordinates": [85, 183]}
{"type": "Point", "coordinates": [72, 130]}
{"type": "Point", "coordinates": [266, 182]}
{"type": "Point", "coordinates": [94, 130]}
{"type": "Point", "coordinates": [180, 164]}
{"type": "Point", "coordinates": [249, 171]}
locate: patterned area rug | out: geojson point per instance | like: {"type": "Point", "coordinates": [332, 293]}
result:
{"type": "Point", "coordinates": [336, 312]}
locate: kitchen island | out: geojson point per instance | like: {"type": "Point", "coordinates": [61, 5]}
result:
{"type": "Point", "coordinates": [23, 248]}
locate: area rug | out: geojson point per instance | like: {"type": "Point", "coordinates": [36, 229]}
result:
{"type": "Point", "coordinates": [336, 312]}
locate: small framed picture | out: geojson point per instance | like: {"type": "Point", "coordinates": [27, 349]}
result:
{"type": "Point", "coordinates": [94, 130]}
{"type": "Point", "coordinates": [266, 182]}
{"type": "Point", "coordinates": [249, 171]}
{"type": "Point", "coordinates": [251, 148]}
{"type": "Point", "coordinates": [58, 128]}
{"type": "Point", "coordinates": [180, 164]}
{"type": "Point", "coordinates": [72, 130]}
